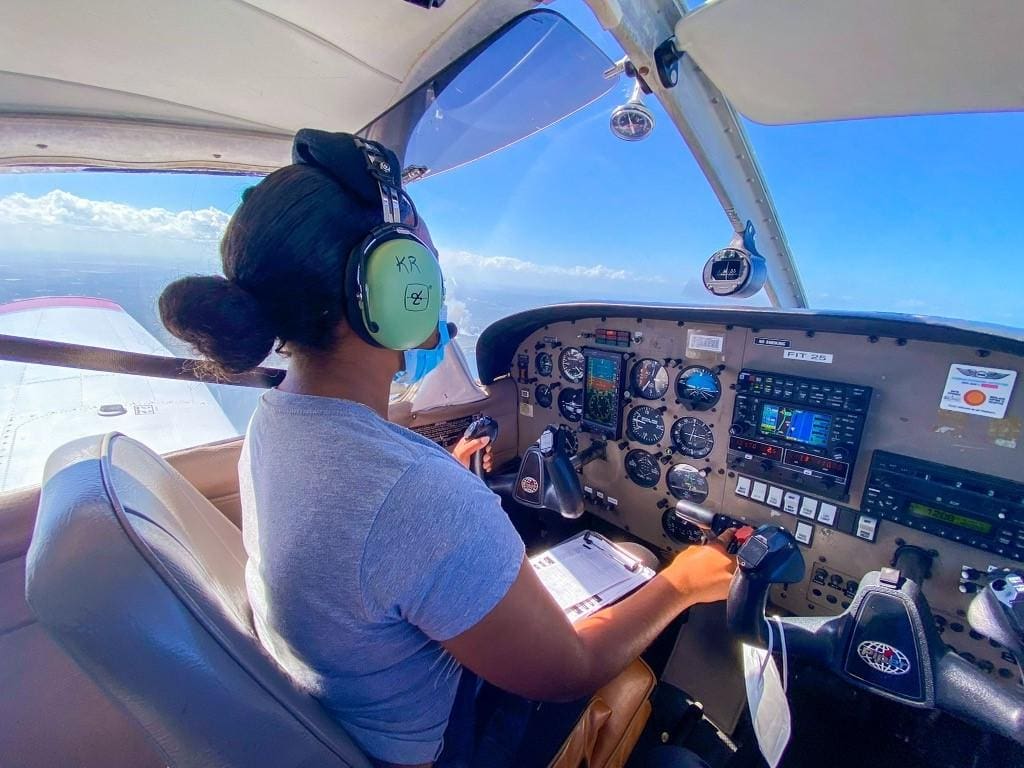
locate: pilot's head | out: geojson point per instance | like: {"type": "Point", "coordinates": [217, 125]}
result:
{"type": "Point", "coordinates": [323, 252]}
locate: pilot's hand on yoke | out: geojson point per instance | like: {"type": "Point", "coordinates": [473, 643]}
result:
{"type": "Point", "coordinates": [464, 450]}
{"type": "Point", "coordinates": [704, 572]}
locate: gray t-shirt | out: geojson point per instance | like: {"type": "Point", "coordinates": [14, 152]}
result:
{"type": "Point", "coordinates": [368, 545]}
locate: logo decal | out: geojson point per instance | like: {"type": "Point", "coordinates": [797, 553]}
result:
{"type": "Point", "coordinates": [985, 373]}
{"type": "Point", "coordinates": [529, 485]}
{"type": "Point", "coordinates": [883, 657]}
{"type": "Point", "coordinates": [417, 297]}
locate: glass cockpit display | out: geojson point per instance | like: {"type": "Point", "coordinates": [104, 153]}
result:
{"type": "Point", "coordinates": [602, 393]}
{"type": "Point", "coordinates": [795, 424]}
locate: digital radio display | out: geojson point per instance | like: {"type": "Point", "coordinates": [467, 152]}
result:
{"type": "Point", "coordinates": [795, 424]}
{"type": "Point", "coordinates": [602, 392]}
{"type": "Point", "coordinates": [755, 448]}
{"type": "Point", "coordinates": [949, 518]}
{"type": "Point", "coordinates": [838, 469]}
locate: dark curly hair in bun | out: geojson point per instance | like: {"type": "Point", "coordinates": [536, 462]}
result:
{"type": "Point", "coordinates": [283, 256]}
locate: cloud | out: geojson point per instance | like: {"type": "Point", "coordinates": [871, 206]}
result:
{"type": "Point", "coordinates": [62, 209]}
{"type": "Point", "coordinates": [463, 261]}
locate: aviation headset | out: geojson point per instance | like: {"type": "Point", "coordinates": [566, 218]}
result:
{"type": "Point", "coordinates": [394, 290]}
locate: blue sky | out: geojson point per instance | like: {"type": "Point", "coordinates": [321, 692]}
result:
{"type": "Point", "coordinates": [909, 215]}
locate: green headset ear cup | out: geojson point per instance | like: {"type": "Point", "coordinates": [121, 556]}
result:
{"type": "Point", "coordinates": [402, 290]}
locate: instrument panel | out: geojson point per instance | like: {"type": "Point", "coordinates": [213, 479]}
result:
{"type": "Point", "coordinates": [858, 443]}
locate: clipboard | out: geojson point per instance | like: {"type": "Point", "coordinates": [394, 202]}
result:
{"type": "Point", "coordinates": [587, 572]}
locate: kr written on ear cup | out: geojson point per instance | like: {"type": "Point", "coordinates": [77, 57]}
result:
{"type": "Point", "coordinates": [395, 289]}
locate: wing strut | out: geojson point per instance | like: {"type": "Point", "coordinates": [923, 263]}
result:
{"type": "Point", "coordinates": [712, 130]}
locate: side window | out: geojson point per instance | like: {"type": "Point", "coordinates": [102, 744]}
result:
{"type": "Point", "coordinates": [83, 259]}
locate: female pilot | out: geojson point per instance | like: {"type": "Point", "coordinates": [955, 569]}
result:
{"type": "Point", "coordinates": [378, 565]}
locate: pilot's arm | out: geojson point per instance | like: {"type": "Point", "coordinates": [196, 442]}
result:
{"type": "Point", "coordinates": [444, 556]}
{"type": "Point", "coordinates": [526, 644]}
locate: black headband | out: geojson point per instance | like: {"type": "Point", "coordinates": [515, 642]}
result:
{"type": "Point", "coordinates": [366, 169]}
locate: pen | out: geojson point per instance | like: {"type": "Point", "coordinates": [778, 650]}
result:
{"type": "Point", "coordinates": [630, 564]}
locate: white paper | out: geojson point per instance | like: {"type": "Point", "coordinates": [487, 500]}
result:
{"type": "Point", "coordinates": [705, 343]}
{"type": "Point", "coordinates": [586, 573]}
{"type": "Point", "coordinates": [981, 391]}
{"type": "Point", "coordinates": [769, 709]}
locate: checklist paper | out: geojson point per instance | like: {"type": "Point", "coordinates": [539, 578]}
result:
{"type": "Point", "coordinates": [588, 572]}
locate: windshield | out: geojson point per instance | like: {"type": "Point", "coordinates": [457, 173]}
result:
{"type": "Point", "coordinates": [914, 214]}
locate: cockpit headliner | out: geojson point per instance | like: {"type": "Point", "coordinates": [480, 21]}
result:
{"type": "Point", "coordinates": [234, 79]}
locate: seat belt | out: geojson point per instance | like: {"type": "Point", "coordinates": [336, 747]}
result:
{"type": "Point", "coordinates": [19, 349]}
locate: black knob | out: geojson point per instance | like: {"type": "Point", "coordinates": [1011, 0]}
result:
{"type": "Point", "coordinates": [739, 428]}
{"type": "Point", "coordinates": [767, 464]}
{"type": "Point", "coordinates": [841, 454]}
{"type": "Point", "coordinates": [539, 345]}
{"type": "Point", "coordinates": [969, 574]}
{"type": "Point", "coordinates": [968, 587]}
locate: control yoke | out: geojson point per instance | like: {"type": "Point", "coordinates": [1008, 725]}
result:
{"type": "Point", "coordinates": [485, 426]}
{"type": "Point", "coordinates": [548, 477]}
{"type": "Point", "coordinates": [886, 641]}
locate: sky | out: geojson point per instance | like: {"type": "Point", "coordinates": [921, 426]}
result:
{"type": "Point", "coordinates": [915, 215]}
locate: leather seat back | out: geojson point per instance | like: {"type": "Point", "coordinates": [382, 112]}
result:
{"type": "Point", "coordinates": [141, 580]}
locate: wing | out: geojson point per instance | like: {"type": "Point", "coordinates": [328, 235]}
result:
{"type": "Point", "coordinates": [42, 407]}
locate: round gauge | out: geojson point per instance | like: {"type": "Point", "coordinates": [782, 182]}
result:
{"type": "Point", "coordinates": [542, 394]}
{"type": "Point", "coordinates": [692, 437]}
{"type": "Point", "coordinates": [649, 379]}
{"type": "Point", "coordinates": [642, 468]}
{"type": "Point", "coordinates": [570, 363]}
{"type": "Point", "coordinates": [567, 437]}
{"type": "Point", "coordinates": [632, 122]}
{"type": "Point", "coordinates": [685, 481]}
{"type": "Point", "coordinates": [679, 530]}
{"type": "Point", "coordinates": [645, 425]}
{"type": "Point", "coordinates": [570, 404]}
{"type": "Point", "coordinates": [698, 387]}
{"type": "Point", "coordinates": [543, 364]}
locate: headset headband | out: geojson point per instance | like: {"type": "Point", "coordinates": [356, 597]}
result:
{"type": "Point", "coordinates": [365, 168]}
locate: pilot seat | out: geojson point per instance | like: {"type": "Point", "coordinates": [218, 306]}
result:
{"type": "Point", "coordinates": [141, 580]}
